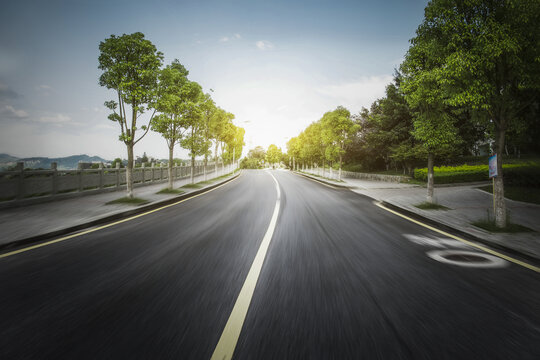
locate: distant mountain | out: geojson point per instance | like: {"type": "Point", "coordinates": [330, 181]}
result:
{"type": "Point", "coordinates": [7, 158]}
{"type": "Point", "coordinates": [68, 162]}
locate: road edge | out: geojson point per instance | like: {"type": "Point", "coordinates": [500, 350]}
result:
{"type": "Point", "coordinates": [340, 186]}
{"type": "Point", "coordinates": [459, 232]}
{"type": "Point", "coordinates": [109, 218]}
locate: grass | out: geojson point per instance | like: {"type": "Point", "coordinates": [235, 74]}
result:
{"type": "Point", "coordinates": [431, 206]}
{"type": "Point", "coordinates": [518, 193]}
{"type": "Point", "coordinates": [128, 201]}
{"type": "Point", "coordinates": [192, 186]}
{"type": "Point", "coordinates": [170, 191]}
{"type": "Point", "coordinates": [490, 226]}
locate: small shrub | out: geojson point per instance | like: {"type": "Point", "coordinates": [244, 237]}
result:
{"type": "Point", "coordinates": [514, 174]}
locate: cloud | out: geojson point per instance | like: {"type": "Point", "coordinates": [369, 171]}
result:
{"type": "Point", "coordinates": [230, 38]}
{"type": "Point", "coordinates": [264, 45]}
{"type": "Point", "coordinates": [359, 93]}
{"type": "Point", "coordinates": [57, 119]}
{"type": "Point", "coordinates": [43, 87]}
{"type": "Point", "coordinates": [8, 112]}
{"type": "Point", "coordinates": [7, 94]}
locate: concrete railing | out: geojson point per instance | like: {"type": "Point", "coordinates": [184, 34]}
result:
{"type": "Point", "coordinates": [19, 186]}
{"type": "Point", "coordinates": [333, 174]}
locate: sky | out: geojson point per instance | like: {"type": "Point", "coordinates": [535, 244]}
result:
{"type": "Point", "coordinates": [276, 65]}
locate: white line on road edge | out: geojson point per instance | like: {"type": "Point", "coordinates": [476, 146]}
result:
{"type": "Point", "coordinates": [231, 333]}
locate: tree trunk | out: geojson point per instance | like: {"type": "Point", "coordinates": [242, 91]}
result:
{"type": "Point", "coordinates": [204, 168]}
{"type": "Point", "coordinates": [430, 178]}
{"type": "Point", "coordinates": [215, 160]}
{"type": "Point", "coordinates": [192, 169]}
{"type": "Point", "coordinates": [339, 173]}
{"type": "Point", "coordinates": [129, 171]}
{"type": "Point", "coordinates": [171, 181]}
{"type": "Point", "coordinates": [498, 187]}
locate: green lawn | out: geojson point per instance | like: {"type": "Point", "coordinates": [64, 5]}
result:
{"type": "Point", "coordinates": [192, 186]}
{"type": "Point", "coordinates": [430, 206]}
{"type": "Point", "coordinates": [126, 200]}
{"type": "Point", "coordinates": [518, 193]}
{"type": "Point", "coordinates": [170, 191]}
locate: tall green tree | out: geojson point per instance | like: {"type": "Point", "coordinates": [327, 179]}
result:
{"type": "Point", "coordinates": [235, 144]}
{"type": "Point", "coordinates": [130, 65]}
{"type": "Point", "coordinates": [193, 118]}
{"type": "Point", "coordinates": [337, 131]}
{"type": "Point", "coordinates": [209, 109]}
{"type": "Point", "coordinates": [273, 154]}
{"type": "Point", "coordinates": [488, 59]}
{"type": "Point", "coordinates": [174, 94]}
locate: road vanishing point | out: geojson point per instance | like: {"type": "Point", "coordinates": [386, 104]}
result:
{"type": "Point", "coordinates": [271, 265]}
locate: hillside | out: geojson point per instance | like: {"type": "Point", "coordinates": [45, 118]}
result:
{"type": "Point", "coordinates": [68, 162]}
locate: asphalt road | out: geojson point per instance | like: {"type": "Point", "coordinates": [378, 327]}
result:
{"type": "Point", "coordinates": [342, 279]}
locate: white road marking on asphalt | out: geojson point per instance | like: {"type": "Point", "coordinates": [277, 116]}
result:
{"type": "Point", "coordinates": [231, 332]}
{"type": "Point", "coordinates": [441, 243]}
{"type": "Point", "coordinates": [489, 261]}
{"type": "Point", "coordinates": [480, 247]}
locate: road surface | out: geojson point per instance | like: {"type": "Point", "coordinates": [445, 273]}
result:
{"type": "Point", "coordinates": [340, 278]}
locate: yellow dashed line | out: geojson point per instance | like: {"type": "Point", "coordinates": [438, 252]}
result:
{"type": "Point", "coordinates": [107, 225]}
{"type": "Point", "coordinates": [480, 247]}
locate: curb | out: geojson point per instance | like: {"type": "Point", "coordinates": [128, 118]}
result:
{"type": "Point", "coordinates": [461, 233]}
{"type": "Point", "coordinates": [324, 181]}
{"type": "Point", "coordinates": [109, 218]}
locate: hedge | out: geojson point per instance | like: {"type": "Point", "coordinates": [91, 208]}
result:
{"type": "Point", "coordinates": [514, 174]}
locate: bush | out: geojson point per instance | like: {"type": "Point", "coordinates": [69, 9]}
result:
{"type": "Point", "coordinates": [514, 174]}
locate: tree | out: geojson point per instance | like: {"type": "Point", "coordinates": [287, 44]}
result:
{"type": "Point", "coordinates": [487, 59]}
{"type": "Point", "coordinates": [236, 144]}
{"type": "Point", "coordinates": [193, 118]}
{"type": "Point", "coordinates": [174, 93]}
{"type": "Point", "coordinates": [219, 129]}
{"type": "Point", "coordinates": [208, 108]}
{"type": "Point", "coordinates": [273, 154]}
{"type": "Point", "coordinates": [130, 65]}
{"type": "Point", "coordinates": [254, 158]}
{"type": "Point", "coordinates": [337, 131]}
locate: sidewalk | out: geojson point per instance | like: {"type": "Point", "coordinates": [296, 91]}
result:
{"type": "Point", "coordinates": [35, 221]}
{"type": "Point", "coordinates": [467, 204]}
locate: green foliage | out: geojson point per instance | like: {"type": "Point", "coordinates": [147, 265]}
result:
{"type": "Point", "coordinates": [431, 206]}
{"type": "Point", "coordinates": [515, 174]}
{"type": "Point", "coordinates": [128, 201]}
{"type": "Point", "coordinates": [273, 154]}
{"type": "Point", "coordinates": [130, 65]}
{"type": "Point", "coordinates": [250, 163]}
{"type": "Point", "coordinates": [337, 129]}
{"type": "Point", "coordinates": [168, 191]}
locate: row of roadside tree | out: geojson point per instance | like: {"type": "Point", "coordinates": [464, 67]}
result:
{"type": "Point", "coordinates": [471, 77]}
{"type": "Point", "coordinates": [179, 110]}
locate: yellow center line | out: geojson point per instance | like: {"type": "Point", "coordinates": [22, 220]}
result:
{"type": "Point", "coordinates": [480, 247]}
{"type": "Point", "coordinates": [227, 342]}
{"type": "Point", "coordinates": [107, 225]}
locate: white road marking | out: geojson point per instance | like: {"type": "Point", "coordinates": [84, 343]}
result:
{"type": "Point", "coordinates": [231, 333]}
{"type": "Point", "coordinates": [437, 242]}
{"type": "Point", "coordinates": [490, 261]}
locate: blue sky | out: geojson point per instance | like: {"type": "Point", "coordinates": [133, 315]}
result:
{"type": "Point", "coordinates": [276, 65]}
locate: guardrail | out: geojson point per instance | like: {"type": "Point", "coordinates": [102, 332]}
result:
{"type": "Point", "coordinates": [21, 186]}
